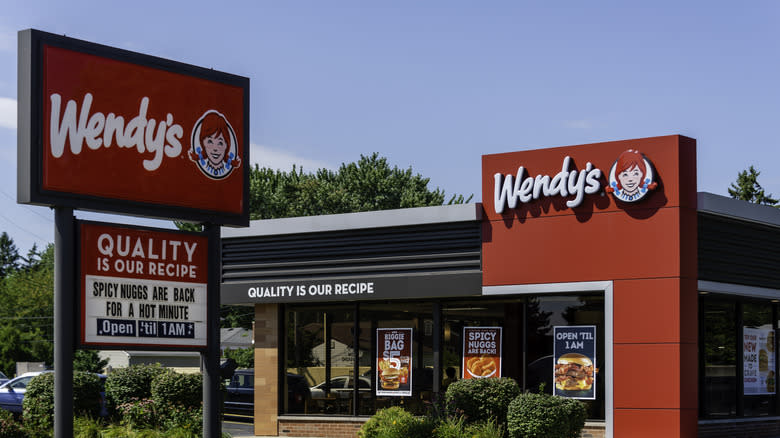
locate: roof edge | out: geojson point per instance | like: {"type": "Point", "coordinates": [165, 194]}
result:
{"type": "Point", "coordinates": [737, 209]}
{"type": "Point", "coordinates": [362, 220]}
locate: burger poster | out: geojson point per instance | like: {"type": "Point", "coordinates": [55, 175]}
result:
{"type": "Point", "coordinates": [758, 354]}
{"type": "Point", "coordinates": [481, 352]}
{"type": "Point", "coordinates": [574, 369]}
{"type": "Point", "coordinates": [394, 362]}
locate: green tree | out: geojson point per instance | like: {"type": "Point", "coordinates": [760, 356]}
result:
{"type": "Point", "coordinates": [9, 255]}
{"type": "Point", "coordinates": [366, 185]}
{"type": "Point", "coordinates": [26, 323]}
{"type": "Point", "coordinates": [748, 189]}
{"type": "Point", "coordinates": [89, 361]}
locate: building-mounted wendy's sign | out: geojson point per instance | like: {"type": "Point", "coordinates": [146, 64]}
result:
{"type": "Point", "coordinates": [620, 175]}
{"type": "Point", "coordinates": [110, 130]}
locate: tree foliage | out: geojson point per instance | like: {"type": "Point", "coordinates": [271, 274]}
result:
{"type": "Point", "coordinates": [89, 361]}
{"type": "Point", "coordinates": [748, 189]}
{"type": "Point", "coordinates": [366, 185]}
{"type": "Point", "coordinates": [9, 255]}
{"type": "Point", "coordinates": [26, 316]}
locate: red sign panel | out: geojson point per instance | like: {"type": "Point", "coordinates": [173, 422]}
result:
{"type": "Point", "coordinates": [142, 287]}
{"type": "Point", "coordinates": [124, 132]}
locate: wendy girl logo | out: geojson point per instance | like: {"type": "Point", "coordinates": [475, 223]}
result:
{"type": "Point", "coordinates": [214, 147]}
{"type": "Point", "coordinates": [631, 177]}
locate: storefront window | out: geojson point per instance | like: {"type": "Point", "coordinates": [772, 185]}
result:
{"type": "Point", "coordinates": [545, 312]}
{"type": "Point", "coordinates": [319, 349]}
{"type": "Point", "coordinates": [418, 317]}
{"type": "Point", "coordinates": [342, 380]}
{"type": "Point", "coordinates": [738, 357]}
{"type": "Point", "coordinates": [719, 337]}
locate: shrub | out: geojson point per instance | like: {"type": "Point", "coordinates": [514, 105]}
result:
{"type": "Point", "coordinates": [545, 416]}
{"type": "Point", "coordinates": [453, 427]}
{"type": "Point", "coordinates": [181, 420]}
{"type": "Point", "coordinates": [86, 394]}
{"type": "Point", "coordinates": [174, 388]}
{"type": "Point", "coordinates": [481, 400]}
{"type": "Point", "coordinates": [124, 385]}
{"type": "Point", "coordinates": [9, 428]}
{"type": "Point", "coordinates": [84, 427]}
{"type": "Point", "coordinates": [386, 423]}
{"type": "Point", "coordinates": [487, 429]}
{"type": "Point", "coordinates": [38, 404]}
{"type": "Point", "coordinates": [138, 414]}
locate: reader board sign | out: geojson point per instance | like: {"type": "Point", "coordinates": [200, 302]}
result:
{"type": "Point", "coordinates": [758, 360]}
{"type": "Point", "coordinates": [481, 352]}
{"type": "Point", "coordinates": [111, 130]}
{"type": "Point", "coordinates": [574, 370]}
{"type": "Point", "coordinates": [142, 288]}
{"type": "Point", "coordinates": [394, 362]}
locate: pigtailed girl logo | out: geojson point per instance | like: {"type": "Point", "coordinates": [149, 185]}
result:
{"type": "Point", "coordinates": [631, 177]}
{"type": "Point", "coordinates": [214, 147]}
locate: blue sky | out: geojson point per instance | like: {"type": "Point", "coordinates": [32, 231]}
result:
{"type": "Point", "coordinates": [434, 85]}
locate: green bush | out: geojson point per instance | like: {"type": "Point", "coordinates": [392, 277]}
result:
{"type": "Point", "coordinates": [180, 419]}
{"type": "Point", "coordinates": [453, 427]}
{"type": "Point", "coordinates": [545, 416]}
{"type": "Point", "coordinates": [138, 414]}
{"type": "Point", "coordinates": [124, 385]}
{"type": "Point", "coordinates": [85, 427]}
{"type": "Point", "coordinates": [481, 400]}
{"type": "Point", "coordinates": [174, 388]}
{"type": "Point", "coordinates": [487, 429]}
{"type": "Point", "coordinates": [38, 404]}
{"type": "Point", "coordinates": [9, 427]}
{"type": "Point", "coordinates": [395, 422]}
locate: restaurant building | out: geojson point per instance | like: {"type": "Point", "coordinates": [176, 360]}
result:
{"type": "Point", "coordinates": [674, 291]}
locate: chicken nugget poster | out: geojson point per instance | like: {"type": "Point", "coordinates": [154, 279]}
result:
{"type": "Point", "coordinates": [574, 367]}
{"type": "Point", "coordinates": [394, 362]}
{"type": "Point", "coordinates": [481, 352]}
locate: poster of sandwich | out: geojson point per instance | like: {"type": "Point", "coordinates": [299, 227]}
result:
{"type": "Point", "coordinates": [481, 352]}
{"type": "Point", "coordinates": [758, 360]}
{"type": "Point", "coordinates": [574, 366]}
{"type": "Point", "coordinates": [394, 362]}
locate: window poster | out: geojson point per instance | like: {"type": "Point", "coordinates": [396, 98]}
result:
{"type": "Point", "coordinates": [758, 360]}
{"type": "Point", "coordinates": [574, 369]}
{"type": "Point", "coordinates": [394, 362]}
{"type": "Point", "coordinates": [481, 352]}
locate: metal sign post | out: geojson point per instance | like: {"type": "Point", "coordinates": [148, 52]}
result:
{"type": "Point", "coordinates": [210, 359]}
{"type": "Point", "coordinates": [64, 323]}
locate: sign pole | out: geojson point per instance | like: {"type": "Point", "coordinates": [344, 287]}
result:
{"type": "Point", "coordinates": [64, 322]}
{"type": "Point", "coordinates": [210, 359]}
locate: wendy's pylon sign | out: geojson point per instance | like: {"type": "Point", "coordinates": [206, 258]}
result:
{"type": "Point", "coordinates": [110, 130]}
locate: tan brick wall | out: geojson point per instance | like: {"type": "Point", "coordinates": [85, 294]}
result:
{"type": "Point", "coordinates": [593, 431]}
{"type": "Point", "coordinates": [266, 366]}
